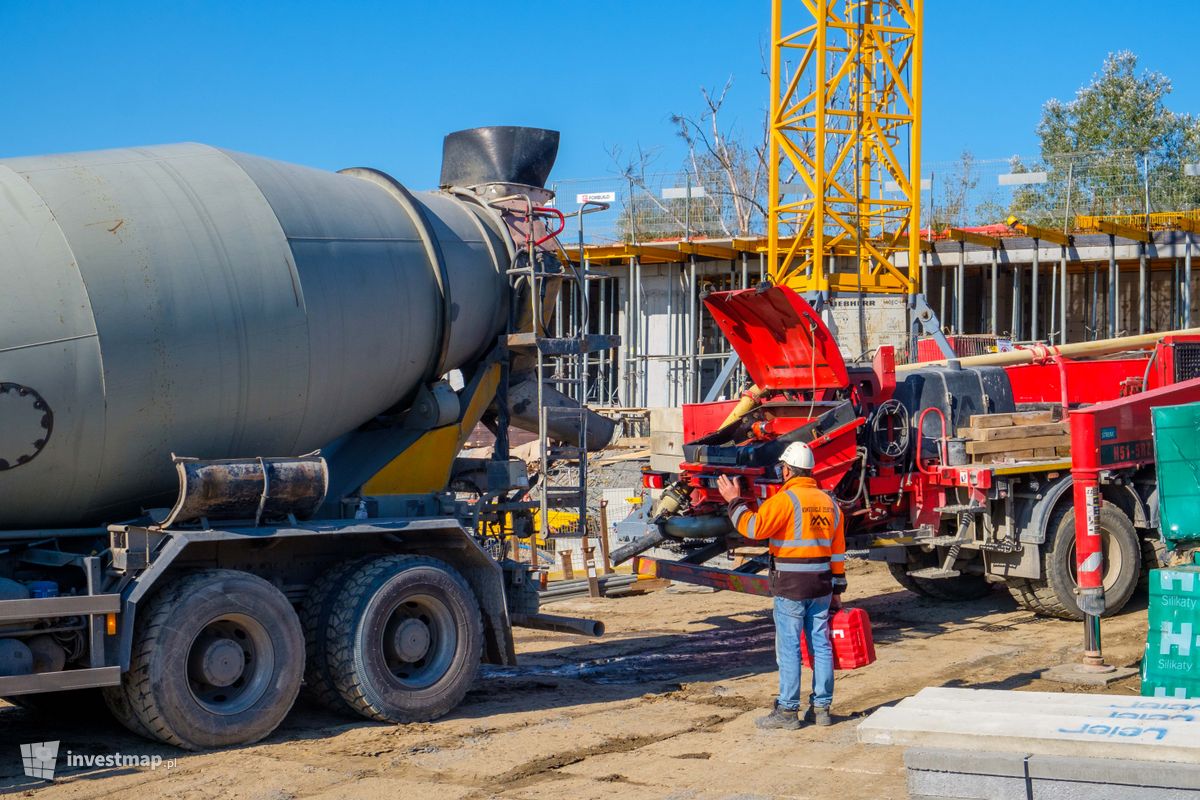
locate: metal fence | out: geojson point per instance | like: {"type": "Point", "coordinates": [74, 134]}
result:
{"type": "Point", "coordinates": [1054, 190]}
{"type": "Point", "coordinates": [661, 206]}
{"type": "Point", "coordinates": [965, 192]}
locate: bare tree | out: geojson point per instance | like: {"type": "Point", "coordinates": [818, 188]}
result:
{"type": "Point", "coordinates": [643, 213]}
{"type": "Point", "coordinates": [733, 174]}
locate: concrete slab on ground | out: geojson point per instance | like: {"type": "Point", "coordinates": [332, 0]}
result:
{"type": "Point", "coordinates": [1095, 736]}
{"type": "Point", "coordinates": [967, 775]}
{"type": "Point", "coordinates": [1076, 675]}
{"type": "Point", "coordinates": [1118, 707]}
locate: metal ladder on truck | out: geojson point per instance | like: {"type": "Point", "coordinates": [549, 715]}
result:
{"type": "Point", "coordinates": [569, 354]}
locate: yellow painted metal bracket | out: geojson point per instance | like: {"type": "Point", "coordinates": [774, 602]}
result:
{"type": "Point", "coordinates": [972, 237]}
{"type": "Point", "coordinates": [425, 465]}
{"type": "Point", "coordinates": [1124, 231]}
{"type": "Point", "coordinates": [1045, 234]}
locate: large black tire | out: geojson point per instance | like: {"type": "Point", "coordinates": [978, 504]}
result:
{"type": "Point", "coordinates": [963, 587]}
{"type": "Point", "coordinates": [122, 710]}
{"type": "Point", "coordinates": [217, 661]}
{"type": "Point", "coordinates": [405, 639]}
{"type": "Point", "coordinates": [1154, 556]}
{"type": "Point", "coordinates": [314, 619]}
{"type": "Point", "coordinates": [1053, 594]}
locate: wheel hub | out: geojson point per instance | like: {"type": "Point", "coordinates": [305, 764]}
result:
{"type": "Point", "coordinates": [411, 640]}
{"type": "Point", "coordinates": [230, 663]}
{"type": "Point", "coordinates": [219, 662]}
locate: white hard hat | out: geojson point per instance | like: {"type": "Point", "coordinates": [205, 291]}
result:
{"type": "Point", "coordinates": [798, 455]}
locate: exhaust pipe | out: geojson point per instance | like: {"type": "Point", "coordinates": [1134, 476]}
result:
{"type": "Point", "coordinates": [553, 622]}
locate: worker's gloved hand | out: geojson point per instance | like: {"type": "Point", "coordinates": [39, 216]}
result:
{"type": "Point", "coordinates": [728, 487]}
{"type": "Point", "coordinates": [835, 602]}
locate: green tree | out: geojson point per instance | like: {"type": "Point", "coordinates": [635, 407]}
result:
{"type": "Point", "coordinates": [1120, 111]}
{"type": "Point", "coordinates": [1115, 133]}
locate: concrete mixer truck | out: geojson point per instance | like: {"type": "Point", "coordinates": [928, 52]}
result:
{"type": "Point", "coordinates": [232, 391]}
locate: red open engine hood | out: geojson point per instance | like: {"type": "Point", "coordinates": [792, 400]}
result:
{"type": "Point", "coordinates": [780, 338]}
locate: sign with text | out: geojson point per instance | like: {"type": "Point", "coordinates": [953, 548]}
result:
{"type": "Point", "coordinates": [596, 197]}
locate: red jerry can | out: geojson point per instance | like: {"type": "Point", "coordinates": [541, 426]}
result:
{"type": "Point", "coordinates": [853, 646]}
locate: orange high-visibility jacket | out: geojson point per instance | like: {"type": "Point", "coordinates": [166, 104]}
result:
{"type": "Point", "coordinates": [807, 539]}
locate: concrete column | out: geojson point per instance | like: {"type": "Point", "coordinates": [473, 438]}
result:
{"type": "Point", "coordinates": [1017, 319]}
{"type": "Point", "coordinates": [960, 276]}
{"type": "Point", "coordinates": [1033, 294]}
{"type": "Point", "coordinates": [1113, 286]}
{"type": "Point", "coordinates": [1062, 300]}
{"type": "Point", "coordinates": [1187, 281]}
{"type": "Point", "coordinates": [1142, 288]}
{"type": "Point", "coordinates": [1053, 307]}
{"type": "Point", "coordinates": [693, 335]}
{"type": "Point", "coordinates": [1094, 274]}
{"type": "Point", "coordinates": [942, 302]}
{"type": "Point", "coordinates": [994, 330]}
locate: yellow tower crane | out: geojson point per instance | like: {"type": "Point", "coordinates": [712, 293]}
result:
{"type": "Point", "coordinates": [845, 131]}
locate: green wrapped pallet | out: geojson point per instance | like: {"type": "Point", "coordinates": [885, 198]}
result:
{"type": "Point", "coordinates": [1171, 665]}
{"type": "Point", "coordinates": [1177, 461]}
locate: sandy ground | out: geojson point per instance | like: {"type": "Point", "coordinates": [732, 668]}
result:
{"type": "Point", "coordinates": [662, 707]}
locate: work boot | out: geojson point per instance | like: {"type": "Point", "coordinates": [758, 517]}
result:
{"type": "Point", "coordinates": [822, 716]}
{"type": "Point", "coordinates": [779, 718]}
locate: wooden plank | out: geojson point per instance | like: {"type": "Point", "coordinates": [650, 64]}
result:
{"type": "Point", "coordinates": [1001, 458]}
{"type": "Point", "coordinates": [1012, 418]}
{"type": "Point", "coordinates": [1013, 432]}
{"type": "Point", "coordinates": [1044, 452]}
{"type": "Point", "coordinates": [634, 455]}
{"type": "Point", "coordinates": [1029, 443]}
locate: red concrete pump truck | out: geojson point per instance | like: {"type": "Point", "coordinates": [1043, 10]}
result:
{"type": "Point", "coordinates": [1068, 535]}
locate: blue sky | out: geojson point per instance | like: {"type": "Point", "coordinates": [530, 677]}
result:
{"type": "Point", "coordinates": [378, 84]}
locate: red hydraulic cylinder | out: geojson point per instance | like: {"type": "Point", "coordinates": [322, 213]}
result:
{"type": "Point", "coordinates": [1089, 552]}
{"type": "Point", "coordinates": [1089, 546]}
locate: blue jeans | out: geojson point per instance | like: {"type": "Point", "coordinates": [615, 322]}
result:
{"type": "Point", "coordinates": [811, 616]}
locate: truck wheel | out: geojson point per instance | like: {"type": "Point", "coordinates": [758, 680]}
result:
{"type": "Point", "coordinates": [314, 619]}
{"type": "Point", "coordinates": [217, 661]}
{"type": "Point", "coordinates": [1154, 556]}
{"type": "Point", "coordinates": [122, 710]}
{"type": "Point", "coordinates": [1053, 594]}
{"type": "Point", "coordinates": [405, 639]}
{"type": "Point", "coordinates": [963, 587]}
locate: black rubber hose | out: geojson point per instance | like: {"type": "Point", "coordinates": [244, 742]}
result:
{"type": "Point", "coordinates": [639, 545]}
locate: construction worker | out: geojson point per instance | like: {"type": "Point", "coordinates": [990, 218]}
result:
{"type": "Point", "coordinates": [808, 574]}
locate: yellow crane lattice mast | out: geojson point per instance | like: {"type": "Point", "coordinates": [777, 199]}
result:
{"type": "Point", "coordinates": [844, 155]}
